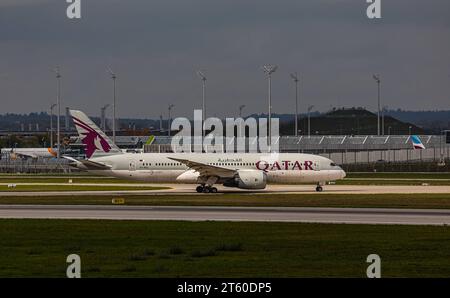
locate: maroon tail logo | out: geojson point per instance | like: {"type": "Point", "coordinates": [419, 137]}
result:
{"type": "Point", "coordinates": [92, 139]}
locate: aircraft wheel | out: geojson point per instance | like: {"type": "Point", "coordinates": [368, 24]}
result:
{"type": "Point", "coordinates": [199, 188]}
{"type": "Point", "coordinates": [213, 190]}
{"type": "Point", "coordinates": [206, 189]}
{"type": "Point", "coordinates": [319, 188]}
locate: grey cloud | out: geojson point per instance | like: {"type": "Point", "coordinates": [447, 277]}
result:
{"type": "Point", "coordinates": [156, 47]}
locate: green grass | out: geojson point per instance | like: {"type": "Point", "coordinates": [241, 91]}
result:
{"type": "Point", "coordinates": [219, 249]}
{"type": "Point", "coordinates": [386, 181]}
{"type": "Point", "coordinates": [432, 201]}
{"type": "Point", "coordinates": [394, 175]}
{"type": "Point", "coordinates": [68, 188]}
{"type": "Point", "coordinates": [42, 179]}
{"type": "Point", "coordinates": [51, 174]}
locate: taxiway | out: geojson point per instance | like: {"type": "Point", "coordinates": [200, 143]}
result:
{"type": "Point", "coordinates": [261, 214]}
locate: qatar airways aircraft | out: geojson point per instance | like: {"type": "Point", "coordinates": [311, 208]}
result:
{"type": "Point", "coordinates": [240, 170]}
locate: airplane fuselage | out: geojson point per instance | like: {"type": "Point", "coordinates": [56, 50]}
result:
{"type": "Point", "coordinates": [160, 168]}
{"type": "Point", "coordinates": [29, 152]}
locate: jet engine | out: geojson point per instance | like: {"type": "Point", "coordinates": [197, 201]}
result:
{"type": "Point", "coordinates": [189, 176]}
{"type": "Point", "coordinates": [248, 179]}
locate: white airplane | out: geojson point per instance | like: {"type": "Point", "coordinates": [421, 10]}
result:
{"type": "Point", "coordinates": [15, 153]}
{"type": "Point", "coordinates": [241, 170]}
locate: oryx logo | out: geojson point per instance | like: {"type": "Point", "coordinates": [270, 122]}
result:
{"type": "Point", "coordinates": [92, 139]}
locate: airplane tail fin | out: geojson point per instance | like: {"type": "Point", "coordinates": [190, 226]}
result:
{"type": "Point", "coordinates": [95, 140]}
{"type": "Point", "coordinates": [417, 143]}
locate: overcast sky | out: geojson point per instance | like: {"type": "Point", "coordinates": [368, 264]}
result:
{"type": "Point", "coordinates": [155, 47]}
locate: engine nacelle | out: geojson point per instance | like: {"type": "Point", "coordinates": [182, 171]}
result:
{"type": "Point", "coordinates": [190, 176]}
{"type": "Point", "coordinates": [248, 179]}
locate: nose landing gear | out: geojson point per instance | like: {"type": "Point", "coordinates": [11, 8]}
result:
{"type": "Point", "coordinates": [319, 187]}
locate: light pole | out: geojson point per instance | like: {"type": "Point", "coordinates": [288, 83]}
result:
{"type": "Point", "coordinates": [295, 78]}
{"type": "Point", "coordinates": [169, 119]}
{"type": "Point", "coordinates": [51, 124]}
{"type": "Point", "coordinates": [241, 107]}
{"type": "Point", "coordinates": [269, 70]}
{"type": "Point", "coordinates": [309, 120]}
{"type": "Point", "coordinates": [103, 116]}
{"type": "Point", "coordinates": [377, 79]}
{"type": "Point", "coordinates": [58, 103]}
{"type": "Point", "coordinates": [410, 129]}
{"type": "Point", "coordinates": [113, 77]}
{"type": "Point", "coordinates": [383, 114]}
{"type": "Point", "coordinates": [203, 78]}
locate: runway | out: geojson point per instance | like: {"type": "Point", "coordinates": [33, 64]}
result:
{"type": "Point", "coordinates": [257, 214]}
{"type": "Point", "coordinates": [189, 189]}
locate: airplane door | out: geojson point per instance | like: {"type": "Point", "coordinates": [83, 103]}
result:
{"type": "Point", "coordinates": [132, 166]}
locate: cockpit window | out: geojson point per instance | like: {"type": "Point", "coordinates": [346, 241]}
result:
{"type": "Point", "coordinates": [332, 164]}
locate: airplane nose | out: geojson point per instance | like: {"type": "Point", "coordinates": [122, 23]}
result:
{"type": "Point", "coordinates": [343, 174]}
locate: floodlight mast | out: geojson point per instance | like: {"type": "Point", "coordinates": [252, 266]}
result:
{"type": "Point", "coordinates": [203, 78]}
{"type": "Point", "coordinates": [51, 124]}
{"type": "Point", "coordinates": [269, 70]}
{"type": "Point", "coordinates": [241, 107]}
{"type": "Point", "coordinates": [103, 116]}
{"type": "Point", "coordinates": [294, 77]}
{"type": "Point", "coordinates": [383, 117]}
{"type": "Point", "coordinates": [169, 120]}
{"type": "Point", "coordinates": [113, 77]}
{"type": "Point", "coordinates": [309, 120]}
{"type": "Point", "coordinates": [58, 103]}
{"type": "Point", "coordinates": [378, 81]}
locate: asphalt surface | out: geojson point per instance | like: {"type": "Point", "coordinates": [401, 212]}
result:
{"type": "Point", "coordinates": [190, 189]}
{"type": "Point", "coordinates": [260, 214]}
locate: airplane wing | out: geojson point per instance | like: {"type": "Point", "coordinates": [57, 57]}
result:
{"type": "Point", "coordinates": [206, 170]}
{"type": "Point", "coordinates": [92, 165]}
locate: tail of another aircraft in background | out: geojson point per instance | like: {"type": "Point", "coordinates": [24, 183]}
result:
{"type": "Point", "coordinates": [95, 140]}
{"type": "Point", "coordinates": [417, 143]}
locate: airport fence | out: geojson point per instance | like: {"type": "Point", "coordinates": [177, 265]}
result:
{"type": "Point", "coordinates": [346, 149]}
{"type": "Point", "coordinates": [30, 166]}
{"type": "Point", "coordinates": [404, 167]}
{"type": "Point", "coordinates": [352, 152]}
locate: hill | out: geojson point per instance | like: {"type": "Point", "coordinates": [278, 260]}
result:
{"type": "Point", "coordinates": [353, 121]}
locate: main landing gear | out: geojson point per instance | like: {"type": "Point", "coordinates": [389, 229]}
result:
{"type": "Point", "coordinates": [206, 189]}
